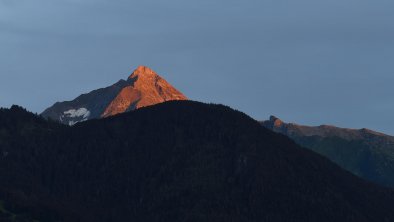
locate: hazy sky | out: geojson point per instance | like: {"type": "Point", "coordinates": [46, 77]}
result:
{"type": "Point", "coordinates": [306, 61]}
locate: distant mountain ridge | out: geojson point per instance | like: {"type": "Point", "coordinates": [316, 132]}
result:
{"type": "Point", "coordinates": [323, 130]}
{"type": "Point", "coordinates": [144, 87]}
{"type": "Point", "coordinates": [364, 152]}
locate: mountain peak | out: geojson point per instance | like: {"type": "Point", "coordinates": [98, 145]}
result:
{"type": "Point", "coordinates": [276, 122]}
{"type": "Point", "coordinates": [144, 87]}
{"type": "Point", "coordinates": [142, 71]}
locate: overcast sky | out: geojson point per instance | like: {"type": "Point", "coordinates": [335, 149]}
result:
{"type": "Point", "coordinates": [305, 61]}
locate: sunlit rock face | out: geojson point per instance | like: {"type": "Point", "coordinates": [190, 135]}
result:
{"type": "Point", "coordinates": [144, 87]}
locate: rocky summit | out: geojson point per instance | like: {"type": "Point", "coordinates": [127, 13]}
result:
{"type": "Point", "coordinates": [144, 87]}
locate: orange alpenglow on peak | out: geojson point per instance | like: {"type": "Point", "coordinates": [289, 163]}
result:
{"type": "Point", "coordinates": [143, 71]}
{"type": "Point", "coordinates": [144, 87]}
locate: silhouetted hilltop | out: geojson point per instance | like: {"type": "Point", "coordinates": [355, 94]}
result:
{"type": "Point", "coordinates": [177, 161]}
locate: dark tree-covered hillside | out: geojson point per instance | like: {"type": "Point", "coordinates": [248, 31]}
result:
{"type": "Point", "coordinates": [176, 161]}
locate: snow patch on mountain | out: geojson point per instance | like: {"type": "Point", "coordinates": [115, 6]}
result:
{"type": "Point", "coordinates": [71, 122]}
{"type": "Point", "coordinates": [81, 112]}
{"type": "Point", "coordinates": [77, 115]}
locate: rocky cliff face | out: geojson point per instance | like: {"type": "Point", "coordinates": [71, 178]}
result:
{"type": "Point", "coordinates": [143, 88]}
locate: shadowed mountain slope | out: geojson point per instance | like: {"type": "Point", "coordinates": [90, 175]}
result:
{"type": "Point", "coordinates": [363, 152]}
{"type": "Point", "coordinates": [175, 161]}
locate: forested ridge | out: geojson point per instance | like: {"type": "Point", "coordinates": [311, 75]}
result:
{"type": "Point", "coordinates": [176, 161]}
